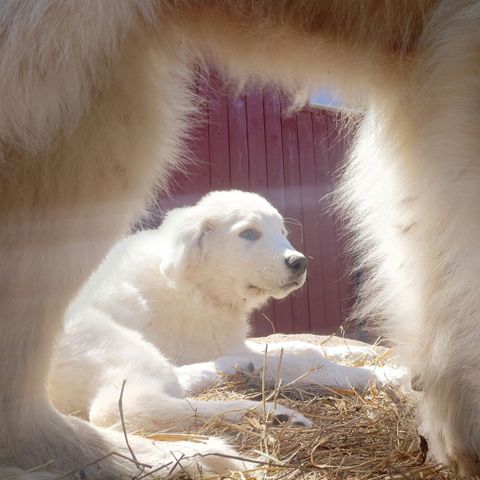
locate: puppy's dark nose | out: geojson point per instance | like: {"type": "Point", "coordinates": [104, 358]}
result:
{"type": "Point", "coordinates": [297, 263]}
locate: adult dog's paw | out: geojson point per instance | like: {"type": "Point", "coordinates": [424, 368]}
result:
{"type": "Point", "coordinates": [450, 416]}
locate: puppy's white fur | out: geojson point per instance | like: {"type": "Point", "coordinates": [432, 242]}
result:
{"type": "Point", "coordinates": [92, 104]}
{"type": "Point", "coordinates": [189, 288]}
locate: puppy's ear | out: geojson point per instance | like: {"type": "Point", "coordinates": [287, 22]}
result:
{"type": "Point", "coordinates": [182, 233]}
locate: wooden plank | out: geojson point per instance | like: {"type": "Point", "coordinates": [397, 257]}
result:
{"type": "Point", "coordinates": [321, 135]}
{"type": "Point", "coordinates": [261, 327]}
{"type": "Point", "coordinates": [274, 151]}
{"type": "Point", "coordinates": [257, 162]}
{"type": "Point", "coordinates": [237, 129]}
{"type": "Point", "coordinates": [294, 211]}
{"type": "Point", "coordinates": [276, 186]}
{"type": "Point", "coordinates": [338, 151]}
{"type": "Point", "coordinates": [328, 238]}
{"type": "Point", "coordinates": [316, 296]}
{"type": "Point", "coordinates": [257, 155]}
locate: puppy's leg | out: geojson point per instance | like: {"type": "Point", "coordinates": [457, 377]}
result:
{"type": "Point", "coordinates": [101, 354]}
{"type": "Point", "coordinates": [300, 361]}
{"type": "Point", "coordinates": [146, 406]}
{"type": "Point", "coordinates": [95, 352]}
{"type": "Point", "coordinates": [197, 377]}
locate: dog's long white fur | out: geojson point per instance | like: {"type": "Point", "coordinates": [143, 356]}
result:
{"type": "Point", "coordinates": [176, 295]}
{"type": "Point", "coordinates": [93, 103]}
{"type": "Point", "coordinates": [168, 310]}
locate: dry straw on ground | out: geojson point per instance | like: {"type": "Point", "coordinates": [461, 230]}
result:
{"type": "Point", "coordinates": [357, 435]}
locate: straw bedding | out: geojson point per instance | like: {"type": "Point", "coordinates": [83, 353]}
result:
{"type": "Point", "coordinates": [357, 435]}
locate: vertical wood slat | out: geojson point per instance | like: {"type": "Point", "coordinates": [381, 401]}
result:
{"type": "Point", "coordinates": [346, 288]}
{"type": "Point", "coordinates": [328, 245]}
{"type": "Point", "coordinates": [237, 130]}
{"type": "Point", "coordinates": [315, 284]}
{"type": "Point", "coordinates": [258, 178]}
{"type": "Point", "coordinates": [248, 142]}
{"type": "Point", "coordinates": [294, 211]}
{"type": "Point", "coordinates": [257, 153]}
{"type": "Point", "coordinates": [276, 187]}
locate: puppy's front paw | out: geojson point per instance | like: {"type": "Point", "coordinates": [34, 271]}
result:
{"type": "Point", "coordinates": [231, 364]}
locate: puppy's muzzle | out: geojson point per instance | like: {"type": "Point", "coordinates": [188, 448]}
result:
{"type": "Point", "coordinates": [297, 264]}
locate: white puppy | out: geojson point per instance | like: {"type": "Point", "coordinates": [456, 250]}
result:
{"type": "Point", "coordinates": [188, 288]}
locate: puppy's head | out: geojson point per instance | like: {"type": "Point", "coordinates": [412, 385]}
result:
{"type": "Point", "coordinates": [234, 245]}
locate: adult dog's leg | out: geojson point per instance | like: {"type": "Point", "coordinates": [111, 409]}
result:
{"type": "Point", "coordinates": [414, 185]}
{"type": "Point", "coordinates": [47, 262]}
{"type": "Point", "coordinates": [61, 210]}
{"type": "Point", "coordinates": [447, 178]}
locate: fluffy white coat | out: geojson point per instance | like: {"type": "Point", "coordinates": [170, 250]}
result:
{"type": "Point", "coordinates": [188, 288]}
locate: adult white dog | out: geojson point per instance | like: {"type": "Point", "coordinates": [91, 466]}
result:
{"type": "Point", "coordinates": [189, 288]}
{"type": "Point", "coordinates": [94, 97]}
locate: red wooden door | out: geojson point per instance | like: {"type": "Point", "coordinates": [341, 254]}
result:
{"type": "Point", "coordinates": [251, 142]}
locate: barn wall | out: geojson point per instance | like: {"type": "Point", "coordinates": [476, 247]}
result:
{"type": "Point", "coordinates": [251, 142]}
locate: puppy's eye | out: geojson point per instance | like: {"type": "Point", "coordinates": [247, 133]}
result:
{"type": "Point", "coordinates": [250, 234]}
